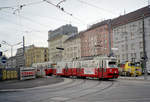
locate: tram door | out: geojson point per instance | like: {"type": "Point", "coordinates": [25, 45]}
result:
{"type": "Point", "coordinates": [102, 68]}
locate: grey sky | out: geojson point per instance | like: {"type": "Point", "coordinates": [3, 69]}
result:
{"type": "Point", "coordinates": [34, 21]}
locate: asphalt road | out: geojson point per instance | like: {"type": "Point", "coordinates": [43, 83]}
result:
{"type": "Point", "coordinates": [83, 90]}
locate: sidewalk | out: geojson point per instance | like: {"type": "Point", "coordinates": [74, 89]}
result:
{"type": "Point", "coordinates": [135, 78]}
{"type": "Point", "coordinates": [17, 84]}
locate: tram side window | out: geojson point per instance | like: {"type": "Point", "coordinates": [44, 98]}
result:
{"type": "Point", "coordinates": [78, 65]}
{"type": "Point", "coordinates": [84, 65]}
{"type": "Point", "coordinates": [69, 65]}
{"type": "Point", "coordinates": [66, 66]}
{"type": "Point", "coordinates": [104, 64]}
{"type": "Point", "coordinates": [93, 64]}
{"type": "Point", "coordinates": [100, 64]}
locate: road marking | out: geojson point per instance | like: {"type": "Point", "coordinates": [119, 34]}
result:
{"type": "Point", "coordinates": [59, 98]}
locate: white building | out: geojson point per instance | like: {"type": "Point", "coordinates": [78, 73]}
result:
{"type": "Point", "coordinates": [128, 35]}
{"type": "Point", "coordinates": [72, 47]}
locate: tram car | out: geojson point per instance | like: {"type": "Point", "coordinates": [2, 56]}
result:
{"type": "Point", "coordinates": [49, 66]}
{"type": "Point", "coordinates": [45, 68]}
{"type": "Point", "coordinates": [101, 68]}
{"type": "Point", "coordinates": [104, 68]}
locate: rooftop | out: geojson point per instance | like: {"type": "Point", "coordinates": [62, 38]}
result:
{"type": "Point", "coordinates": [132, 16]}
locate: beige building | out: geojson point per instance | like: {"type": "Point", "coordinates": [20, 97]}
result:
{"type": "Point", "coordinates": [72, 48]}
{"type": "Point", "coordinates": [56, 40]}
{"type": "Point", "coordinates": [36, 55]}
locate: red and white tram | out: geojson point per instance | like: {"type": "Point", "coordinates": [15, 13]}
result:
{"type": "Point", "coordinates": [101, 68]}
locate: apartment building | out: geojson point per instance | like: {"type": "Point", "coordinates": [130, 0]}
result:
{"type": "Point", "coordinates": [97, 40]}
{"type": "Point", "coordinates": [128, 35]}
{"type": "Point", "coordinates": [36, 55]}
{"type": "Point", "coordinates": [72, 47]}
{"type": "Point", "coordinates": [56, 40]}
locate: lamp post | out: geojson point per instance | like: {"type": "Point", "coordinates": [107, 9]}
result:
{"type": "Point", "coordinates": [144, 49]}
{"type": "Point", "coordinates": [4, 42]}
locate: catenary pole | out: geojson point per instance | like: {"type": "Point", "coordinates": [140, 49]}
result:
{"type": "Point", "coordinates": [144, 49]}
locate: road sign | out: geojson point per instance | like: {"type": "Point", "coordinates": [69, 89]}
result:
{"type": "Point", "coordinates": [3, 59]}
{"type": "Point", "coordinates": [1, 53]}
{"type": "Point", "coordinates": [59, 48]}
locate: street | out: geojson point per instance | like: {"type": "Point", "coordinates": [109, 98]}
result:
{"type": "Point", "coordinates": [82, 90]}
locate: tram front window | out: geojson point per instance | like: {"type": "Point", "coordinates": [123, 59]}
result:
{"type": "Point", "coordinates": [112, 64]}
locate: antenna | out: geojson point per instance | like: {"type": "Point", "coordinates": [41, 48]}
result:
{"type": "Point", "coordinates": [124, 11]}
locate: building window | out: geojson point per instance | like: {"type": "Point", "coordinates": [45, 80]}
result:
{"type": "Point", "coordinates": [134, 55]}
{"type": "Point", "coordinates": [132, 46]}
{"type": "Point", "coordinates": [141, 44]}
{"type": "Point", "coordinates": [127, 57]}
{"type": "Point", "coordinates": [131, 55]}
{"type": "Point", "coordinates": [122, 47]}
{"type": "Point", "coordinates": [116, 38]}
{"type": "Point", "coordinates": [132, 35]}
{"type": "Point", "coordinates": [141, 54]}
{"type": "Point", "coordinates": [122, 56]}
{"type": "Point", "coordinates": [126, 47]}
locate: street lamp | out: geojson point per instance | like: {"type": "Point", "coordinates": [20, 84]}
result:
{"type": "Point", "coordinates": [4, 42]}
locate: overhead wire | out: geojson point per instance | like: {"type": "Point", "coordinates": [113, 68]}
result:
{"type": "Point", "coordinates": [11, 22]}
{"type": "Point", "coordinates": [38, 2]}
{"type": "Point", "coordinates": [92, 5]}
{"type": "Point", "coordinates": [61, 2]}
{"type": "Point", "coordinates": [28, 19]}
{"type": "Point", "coordinates": [1, 8]}
{"type": "Point", "coordinates": [57, 5]}
{"type": "Point", "coordinates": [62, 9]}
{"type": "Point", "coordinates": [33, 21]}
{"type": "Point", "coordinates": [27, 4]}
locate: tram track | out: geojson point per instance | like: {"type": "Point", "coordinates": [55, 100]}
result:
{"type": "Point", "coordinates": [80, 90]}
{"type": "Point", "coordinates": [98, 91]}
{"type": "Point", "coordinates": [70, 85]}
{"type": "Point", "coordinates": [74, 92]}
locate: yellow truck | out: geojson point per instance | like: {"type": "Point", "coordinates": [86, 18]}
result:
{"type": "Point", "coordinates": [130, 69]}
{"type": "Point", "coordinates": [138, 69]}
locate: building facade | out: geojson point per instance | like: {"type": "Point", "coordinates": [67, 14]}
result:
{"type": "Point", "coordinates": [36, 55]}
{"type": "Point", "coordinates": [20, 58]}
{"type": "Point", "coordinates": [56, 40]}
{"type": "Point", "coordinates": [11, 62]}
{"type": "Point", "coordinates": [128, 35]}
{"type": "Point", "coordinates": [72, 47]}
{"type": "Point", "coordinates": [97, 40]}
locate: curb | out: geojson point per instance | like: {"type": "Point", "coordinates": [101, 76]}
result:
{"type": "Point", "coordinates": [139, 79]}
{"type": "Point", "coordinates": [44, 86]}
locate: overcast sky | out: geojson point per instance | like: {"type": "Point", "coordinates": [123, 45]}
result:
{"type": "Point", "coordinates": [38, 17]}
